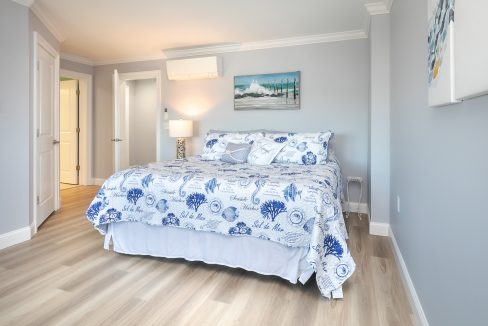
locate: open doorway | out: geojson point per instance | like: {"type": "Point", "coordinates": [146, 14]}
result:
{"type": "Point", "coordinates": [75, 130]}
{"type": "Point", "coordinates": [69, 132]}
{"type": "Point", "coordinates": [137, 118]}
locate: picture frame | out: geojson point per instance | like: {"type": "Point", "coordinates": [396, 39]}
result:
{"type": "Point", "coordinates": [275, 91]}
{"type": "Point", "coordinates": [441, 63]}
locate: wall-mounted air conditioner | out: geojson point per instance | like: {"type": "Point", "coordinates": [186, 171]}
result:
{"type": "Point", "coordinates": [195, 68]}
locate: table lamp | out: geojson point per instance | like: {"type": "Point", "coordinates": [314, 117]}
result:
{"type": "Point", "coordinates": [180, 129]}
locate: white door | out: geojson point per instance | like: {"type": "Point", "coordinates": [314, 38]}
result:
{"type": "Point", "coordinates": [68, 132]}
{"type": "Point", "coordinates": [121, 122]}
{"type": "Point", "coordinates": [46, 133]}
{"type": "Point", "coordinates": [124, 126]}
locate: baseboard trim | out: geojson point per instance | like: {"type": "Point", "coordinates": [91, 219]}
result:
{"type": "Point", "coordinates": [382, 229]}
{"type": "Point", "coordinates": [32, 228]}
{"type": "Point", "coordinates": [418, 311]}
{"type": "Point", "coordinates": [14, 237]}
{"type": "Point", "coordinates": [98, 181]}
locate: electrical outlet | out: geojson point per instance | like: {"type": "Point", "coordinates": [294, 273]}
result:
{"type": "Point", "coordinates": [398, 204]}
{"type": "Point", "coordinates": [355, 179]}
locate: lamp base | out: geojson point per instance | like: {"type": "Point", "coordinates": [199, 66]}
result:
{"type": "Point", "coordinates": [180, 148]}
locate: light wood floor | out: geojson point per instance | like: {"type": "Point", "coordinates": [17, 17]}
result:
{"type": "Point", "coordinates": [63, 276]}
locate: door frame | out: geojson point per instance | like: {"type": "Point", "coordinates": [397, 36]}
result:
{"type": "Point", "coordinates": [85, 119]}
{"type": "Point", "coordinates": [140, 75]}
{"type": "Point", "coordinates": [38, 40]}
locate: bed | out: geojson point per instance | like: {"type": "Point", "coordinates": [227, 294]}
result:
{"type": "Point", "coordinates": [279, 219]}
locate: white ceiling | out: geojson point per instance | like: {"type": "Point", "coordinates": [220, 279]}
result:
{"type": "Point", "coordinates": [111, 30]}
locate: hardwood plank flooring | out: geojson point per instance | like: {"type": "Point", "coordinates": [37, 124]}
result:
{"type": "Point", "coordinates": [63, 276]}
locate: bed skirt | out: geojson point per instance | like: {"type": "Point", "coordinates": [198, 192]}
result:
{"type": "Point", "coordinates": [249, 253]}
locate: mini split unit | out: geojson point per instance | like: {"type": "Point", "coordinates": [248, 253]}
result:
{"type": "Point", "coordinates": [194, 68]}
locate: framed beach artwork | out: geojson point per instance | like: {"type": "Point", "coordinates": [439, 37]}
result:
{"type": "Point", "coordinates": [471, 50]}
{"type": "Point", "coordinates": [280, 91]}
{"type": "Point", "coordinates": [441, 68]}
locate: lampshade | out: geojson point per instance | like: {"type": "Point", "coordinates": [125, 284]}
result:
{"type": "Point", "coordinates": [180, 128]}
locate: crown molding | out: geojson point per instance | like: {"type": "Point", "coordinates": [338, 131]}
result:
{"type": "Point", "coordinates": [226, 48]}
{"type": "Point", "coordinates": [77, 59]}
{"type": "Point", "coordinates": [379, 8]}
{"type": "Point", "coordinates": [43, 17]}
{"type": "Point", "coordinates": [366, 22]}
{"type": "Point", "coordinates": [304, 40]}
{"type": "Point", "coordinates": [201, 50]}
{"type": "Point", "coordinates": [89, 62]}
{"type": "Point", "coordinates": [129, 59]}
{"type": "Point", "coordinates": [25, 3]}
{"type": "Point", "coordinates": [269, 44]}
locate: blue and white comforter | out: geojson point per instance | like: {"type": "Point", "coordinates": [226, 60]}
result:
{"type": "Point", "coordinates": [295, 205]}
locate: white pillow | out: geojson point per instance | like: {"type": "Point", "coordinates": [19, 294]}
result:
{"type": "Point", "coordinates": [302, 148]}
{"type": "Point", "coordinates": [263, 151]}
{"type": "Point", "coordinates": [215, 143]}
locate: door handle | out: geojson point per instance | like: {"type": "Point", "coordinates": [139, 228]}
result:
{"type": "Point", "coordinates": [116, 140]}
{"type": "Point", "coordinates": [55, 142]}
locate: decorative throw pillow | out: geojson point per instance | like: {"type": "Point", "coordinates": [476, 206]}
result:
{"type": "Point", "coordinates": [263, 151]}
{"type": "Point", "coordinates": [262, 131]}
{"type": "Point", "coordinates": [302, 148]}
{"type": "Point", "coordinates": [216, 143]}
{"type": "Point", "coordinates": [236, 153]}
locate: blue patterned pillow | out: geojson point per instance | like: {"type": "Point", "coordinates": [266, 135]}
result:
{"type": "Point", "coordinates": [302, 148]}
{"type": "Point", "coordinates": [215, 143]}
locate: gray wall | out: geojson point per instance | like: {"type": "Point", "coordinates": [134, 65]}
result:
{"type": "Point", "coordinates": [17, 24]}
{"type": "Point", "coordinates": [36, 25]}
{"type": "Point", "coordinates": [77, 67]}
{"type": "Point", "coordinates": [379, 153]}
{"type": "Point", "coordinates": [439, 160]}
{"type": "Point", "coordinates": [14, 116]}
{"type": "Point", "coordinates": [334, 95]}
